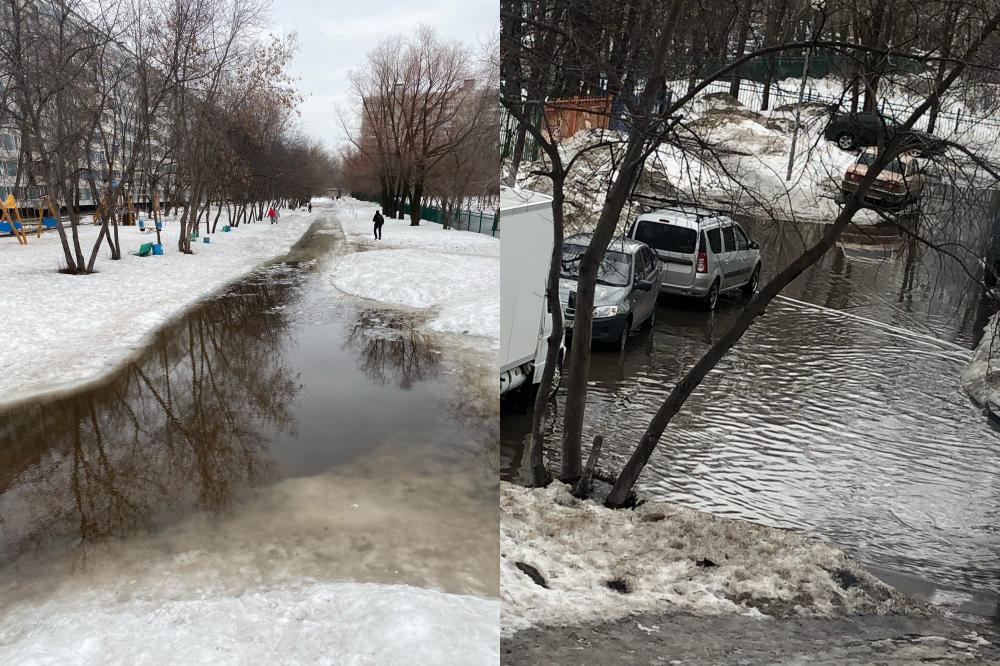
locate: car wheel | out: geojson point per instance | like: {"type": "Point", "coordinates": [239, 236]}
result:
{"type": "Point", "coordinates": [845, 141]}
{"type": "Point", "coordinates": [750, 287]}
{"type": "Point", "coordinates": [712, 297]}
{"type": "Point", "coordinates": [626, 330]}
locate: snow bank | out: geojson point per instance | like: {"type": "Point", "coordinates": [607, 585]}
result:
{"type": "Point", "coordinates": [662, 557]}
{"type": "Point", "coordinates": [453, 273]}
{"type": "Point", "coordinates": [347, 623]}
{"type": "Point", "coordinates": [981, 378]}
{"type": "Point", "coordinates": [727, 156]}
{"type": "Point", "coordinates": [63, 330]}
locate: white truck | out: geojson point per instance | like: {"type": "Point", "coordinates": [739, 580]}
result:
{"type": "Point", "coordinates": [525, 323]}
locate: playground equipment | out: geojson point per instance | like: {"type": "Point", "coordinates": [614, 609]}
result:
{"type": "Point", "coordinates": [46, 222]}
{"type": "Point", "coordinates": [10, 220]}
{"type": "Point", "coordinates": [123, 201]}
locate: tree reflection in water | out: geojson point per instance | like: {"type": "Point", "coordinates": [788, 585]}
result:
{"type": "Point", "coordinates": [390, 348]}
{"type": "Point", "coordinates": [184, 428]}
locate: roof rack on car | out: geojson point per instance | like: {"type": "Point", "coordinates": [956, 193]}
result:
{"type": "Point", "coordinates": [700, 211]}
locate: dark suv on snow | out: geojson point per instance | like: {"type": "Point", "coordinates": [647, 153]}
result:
{"type": "Point", "coordinates": [851, 131]}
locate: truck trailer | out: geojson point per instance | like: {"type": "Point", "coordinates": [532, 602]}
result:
{"type": "Point", "coordinates": [525, 323]}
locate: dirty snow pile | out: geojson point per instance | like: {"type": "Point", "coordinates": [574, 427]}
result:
{"type": "Point", "coordinates": [336, 623]}
{"type": "Point", "coordinates": [596, 564]}
{"type": "Point", "coordinates": [452, 273]}
{"type": "Point", "coordinates": [726, 156]}
{"type": "Point", "coordinates": [981, 378]}
{"type": "Point", "coordinates": [65, 330]}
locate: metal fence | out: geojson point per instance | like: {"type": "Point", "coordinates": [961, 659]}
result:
{"type": "Point", "coordinates": [480, 222]}
{"type": "Point", "coordinates": [954, 125]}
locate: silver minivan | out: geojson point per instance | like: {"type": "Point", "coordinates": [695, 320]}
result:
{"type": "Point", "coordinates": [703, 253]}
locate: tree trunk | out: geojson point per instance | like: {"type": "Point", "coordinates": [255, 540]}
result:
{"type": "Point", "coordinates": [539, 475]}
{"type": "Point", "coordinates": [416, 201]}
{"type": "Point", "coordinates": [579, 357]}
{"type": "Point", "coordinates": [741, 45]}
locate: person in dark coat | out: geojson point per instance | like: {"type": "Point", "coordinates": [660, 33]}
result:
{"type": "Point", "coordinates": [310, 206]}
{"type": "Point", "coordinates": [379, 221]}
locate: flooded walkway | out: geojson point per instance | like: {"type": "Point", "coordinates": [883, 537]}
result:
{"type": "Point", "coordinates": [839, 414]}
{"type": "Point", "coordinates": [280, 433]}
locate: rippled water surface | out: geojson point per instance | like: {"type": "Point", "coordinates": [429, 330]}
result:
{"type": "Point", "coordinates": [839, 414]}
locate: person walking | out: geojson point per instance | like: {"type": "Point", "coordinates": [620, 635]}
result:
{"type": "Point", "coordinates": [379, 221]}
{"type": "Point", "coordinates": [273, 214]}
{"type": "Point", "coordinates": [310, 206]}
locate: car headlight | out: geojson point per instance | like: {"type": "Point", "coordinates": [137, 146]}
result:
{"type": "Point", "coordinates": [605, 311]}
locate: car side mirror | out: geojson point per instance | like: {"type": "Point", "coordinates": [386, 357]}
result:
{"type": "Point", "coordinates": [754, 245]}
{"type": "Point", "coordinates": [643, 285]}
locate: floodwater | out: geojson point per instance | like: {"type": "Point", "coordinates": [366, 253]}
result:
{"type": "Point", "coordinates": [839, 414]}
{"type": "Point", "coordinates": [279, 432]}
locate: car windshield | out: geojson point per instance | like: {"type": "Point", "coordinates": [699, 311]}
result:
{"type": "Point", "coordinates": [616, 268]}
{"type": "Point", "coordinates": [666, 237]}
{"type": "Point", "coordinates": [868, 159]}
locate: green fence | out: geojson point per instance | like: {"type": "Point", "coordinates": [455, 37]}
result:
{"type": "Point", "coordinates": [466, 220]}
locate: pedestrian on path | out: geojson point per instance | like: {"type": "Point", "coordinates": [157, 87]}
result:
{"type": "Point", "coordinates": [379, 221]}
{"type": "Point", "coordinates": [273, 214]}
{"type": "Point", "coordinates": [310, 206]}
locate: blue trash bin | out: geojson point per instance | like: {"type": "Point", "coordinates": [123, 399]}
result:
{"type": "Point", "coordinates": [157, 248]}
{"type": "Point", "coordinates": [206, 239]}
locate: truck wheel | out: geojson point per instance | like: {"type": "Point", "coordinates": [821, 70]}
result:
{"type": "Point", "coordinates": [523, 398]}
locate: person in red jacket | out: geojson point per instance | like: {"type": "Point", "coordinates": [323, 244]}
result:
{"type": "Point", "coordinates": [273, 214]}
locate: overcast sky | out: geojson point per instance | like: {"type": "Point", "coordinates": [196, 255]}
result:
{"type": "Point", "coordinates": [335, 35]}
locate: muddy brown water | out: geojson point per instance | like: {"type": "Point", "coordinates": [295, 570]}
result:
{"type": "Point", "coordinates": [280, 430]}
{"type": "Point", "coordinates": [839, 414]}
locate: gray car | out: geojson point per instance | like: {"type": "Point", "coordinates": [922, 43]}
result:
{"type": "Point", "coordinates": [627, 286]}
{"type": "Point", "coordinates": [704, 253]}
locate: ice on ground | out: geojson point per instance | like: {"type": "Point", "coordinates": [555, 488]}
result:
{"type": "Point", "coordinates": [599, 564]}
{"type": "Point", "coordinates": [460, 288]}
{"type": "Point", "coordinates": [334, 623]}
{"type": "Point", "coordinates": [408, 527]}
{"type": "Point", "coordinates": [64, 330]}
{"type": "Point", "coordinates": [453, 274]}
{"type": "Point", "coordinates": [981, 378]}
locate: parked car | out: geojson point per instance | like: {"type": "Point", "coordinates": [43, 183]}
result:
{"type": "Point", "coordinates": [899, 184]}
{"type": "Point", "coordinates": [851, 131]}
{"type": "Point", "coordinates": [627, 285]}
{"type": "Point", "coordinates": [704, 253]}
{"type": "Point", "coordinates": [856, 130]}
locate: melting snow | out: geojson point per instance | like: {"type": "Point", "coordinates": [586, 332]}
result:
{"type": "Point", "coordinates": [68, 329]}
{"type": "Point", "coordinates": [330, 623]}
{"type": "Point", "coordinates": [599, 564]}
{"type": "Point", "coordinates": [453, 273]}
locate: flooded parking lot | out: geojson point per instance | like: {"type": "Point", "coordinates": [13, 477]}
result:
{"type": "Point", "coordinates": [839, 414]}
{"type": "Point", "coordinates": [277, 433]}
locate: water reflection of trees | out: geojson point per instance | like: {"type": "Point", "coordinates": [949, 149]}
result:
{"type": "Point", "coordinates": [390, 348]}
{"type": "Point", "coordinates": [183, 428]}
